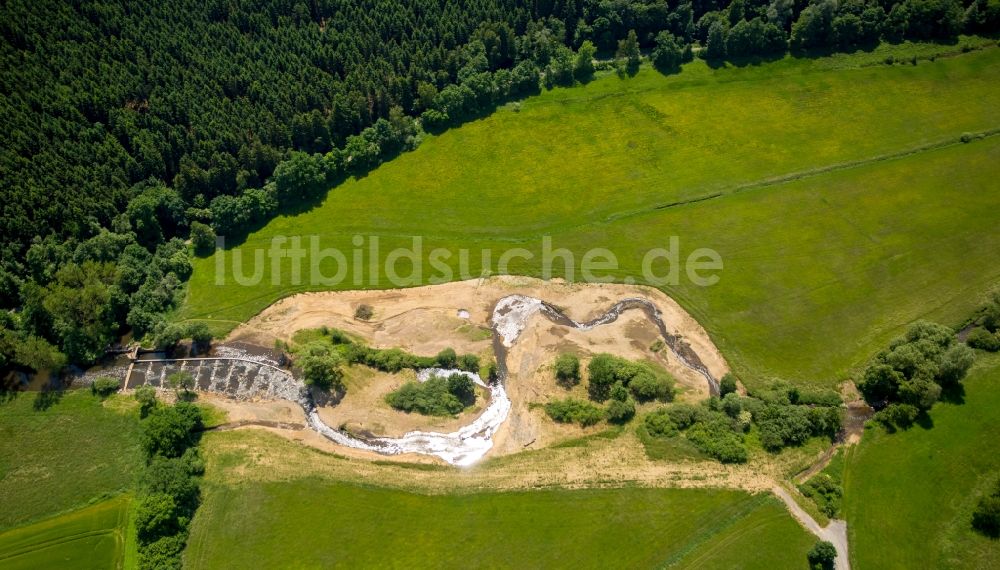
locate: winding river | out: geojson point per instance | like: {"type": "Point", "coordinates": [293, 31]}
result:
{"type": "Point", "coordinates": [509, 319]}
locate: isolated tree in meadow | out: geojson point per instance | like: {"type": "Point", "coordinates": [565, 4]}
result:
{"type": "Point", "coordinates": [822, 555]}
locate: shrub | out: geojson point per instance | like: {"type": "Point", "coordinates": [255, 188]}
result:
{"type": "Point", "coordinates": [647, 386]}
{"type": "Point", "coordinates": [463, 388]}
{"type": "Point", "coordinates": [983, 340]}
{"type": "Point", "coordinates": [572, 410]}
{"type": "Point", "coordinates": [659, 424]}
{"type": "Point", "coordinates": [601, 376]}
{"type": "Point", "coordinates": [469, 363]}
{"type": "Point", "coordinates": [727, 385]}
{"type": "Point", "coordinates": [364, 312]}
{"type": "Point", "coordinates": [684, 415]}
{"type": "Point", "coordinates": [437, 396]}
{"type": "Point", "coordinates": [732, 405]}
{"type": "Point", "coordinates": [104, 387]}
{"type": "Point", "coordinates": [447, 358]}
{"type": "Point", "coordinates": [714, 435]}
{"type": "Point", "coordinates": [621, 411]}
{"type": "Point", "coordinates": [897, 415]}
{"type": "Point", "coordinates": [822, 555]}
{"type": "Point", "coordinates": [567, 370]}
{"type": "Point", "coordinates": [146, 396]}
{"type": "Point", "coordinates": [321, 366]}
{"type": "Point", "coordinates": [825, 492]}
{"type": "Point", "coordinates": [781, 426]}
{"type": "Point", "coordinates": [605, 370]}
{"type": "Point", "coordinates": [199, 333]}
{"type": "Point", "coordinates": [169, 431]}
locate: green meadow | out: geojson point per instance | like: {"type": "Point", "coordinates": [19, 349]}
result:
{"type": "Point", "coordinates": [838, 196]}
{"type": "Point", "coordinates": [909, 496]}
{"type": "Point", "coordinates": [321, 523]}
{"type": "Point", "coordinates": [65, 456]}
{"type": "Point", "coordinates": [91, 538]}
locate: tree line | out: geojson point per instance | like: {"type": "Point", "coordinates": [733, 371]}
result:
{"type": "Point", "coordinates": [133, 126]}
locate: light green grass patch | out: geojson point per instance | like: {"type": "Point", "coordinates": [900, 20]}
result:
{"type": "Point", "coordinates": [820, 270]}
{"type": "Point", "coordinates": [909, 496]}
{"type": "Point", "coordinates": [318, 523]}
{"type": "Point", "coordinates": [91, 538]}
{"type": "Point", "coordinates": [60, 458]}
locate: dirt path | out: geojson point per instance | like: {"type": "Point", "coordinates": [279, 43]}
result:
{"type": "Point", "coordinates": [835, 532]}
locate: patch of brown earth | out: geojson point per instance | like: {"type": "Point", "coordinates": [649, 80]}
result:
{"type": "Point", "coordinates": [425, 320]}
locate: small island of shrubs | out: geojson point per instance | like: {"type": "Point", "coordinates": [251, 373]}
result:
{"type": "Point", "coordinates": [438, 396]}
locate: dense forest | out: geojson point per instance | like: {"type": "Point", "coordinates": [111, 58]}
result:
{"type": "Point", "coordinates": [133, 126]}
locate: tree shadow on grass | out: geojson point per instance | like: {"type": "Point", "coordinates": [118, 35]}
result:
{"type": "Point", "coordinates": [924, 420]}
{"type": "Point", "coordinates": [47, 397]}
{"type": "Point", "coordinates": [953, 394]}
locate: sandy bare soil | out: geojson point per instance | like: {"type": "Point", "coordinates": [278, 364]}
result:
{"type": "Point", "coordinates": [425, 320]}
{"type": "Point", "coordinates": [265, 454]}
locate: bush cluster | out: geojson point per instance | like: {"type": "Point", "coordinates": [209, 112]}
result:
{"type": "Point", "coordinates": [644, 381]}
{"type": "Point", "coordinates": [825, 491]}
{"type": "Point", "coordinates": [576, 411]}
{"type": "Point", "coordinates": [395, 359]}
{"type": "Point", "coordinates": [567, 370]}
{"type": "Point", "coordinates": [321, 366]}
{"type": "Point", "coordinates": [104, 387]}
{"type": "Point", "coordinates": [714, 433]}
{"type": "Point", "coordinates": [717, 425]}
{"type": "Point", "coordinates": [983, 339]}
{"type": "Point", "coordinates": [914, 371]}
{"type": "Point", "coordinates": [438, 396]}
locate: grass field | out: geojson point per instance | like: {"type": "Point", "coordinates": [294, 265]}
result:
{"type": "Point", "coordinates": [319, 523]}
{"type": "Point", "coordinates": [62, 457]}
{"type": "Point", "coordinates": [909, 496]}
{"type": "Point", "coordinates": [820, 269]}
{"type": "Point", "coordinates": [89, 538]}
